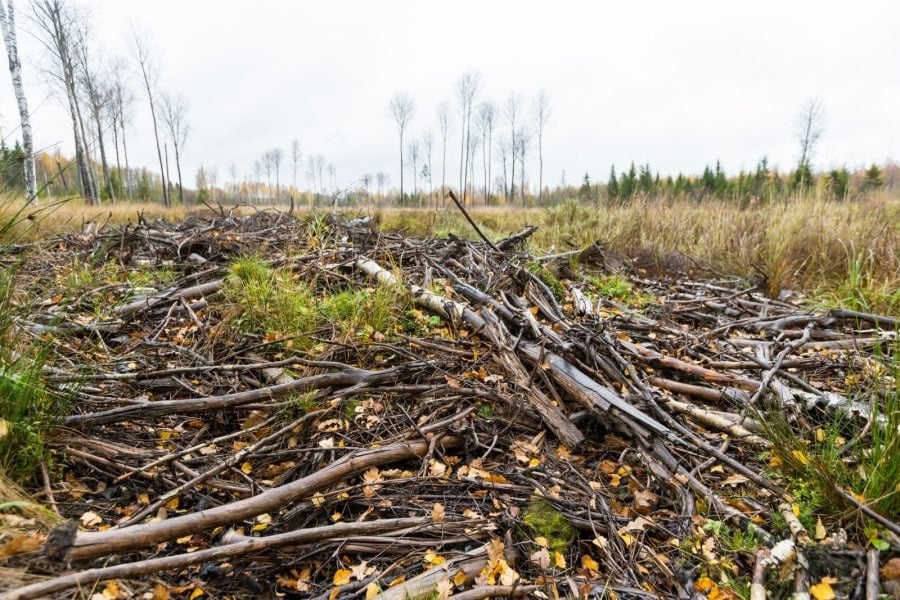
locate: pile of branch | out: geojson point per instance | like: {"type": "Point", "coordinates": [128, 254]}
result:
{"type": "Point", "coordinates": [403, 462]}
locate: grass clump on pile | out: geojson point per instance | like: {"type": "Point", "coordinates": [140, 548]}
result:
{"type": "Point", "coordinates": [270, 302]}
{"type": "Point", "coordinates": [841, 453]}
{"type": "Point", "coordinates": [276, 304]}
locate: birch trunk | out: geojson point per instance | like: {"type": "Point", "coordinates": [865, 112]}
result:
{"type": "Point", "coordinates": [8, 24]}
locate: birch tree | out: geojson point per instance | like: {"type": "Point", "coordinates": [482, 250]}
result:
{"type": "Point", "coordinates": [55, 22]}
{"type": "Point", "coordinates": [174, 114]}
{"type": "Point", "coordinates": [512, 110]}
{"type": "Point", "coordinates": [401, 108]}
{"type": "Point", "coordinates": [542, 114]}
{"type": "Point", "coordinates": [412, 150]}
{"type": "Point", "coordinates": [96, 91]}
{"type": "Point", "coordinates": [443, 113]}
{"type": "Point", "coordinates": [296, 157]}
{"type": "Point", "coordinates": [486, 116]}
{"type": "Point", "coordinates": [150, 75]}
{"type": "Point", "coordinates": [277, 156]}
{"type": "Point", "coordinates": [8, 25]}
{"type": "Point", "coordinates": [428, 143]}
{"type": "Point", "coordinates": [121, 106]}
{"type": "Point", "coordinates": [467, 89]}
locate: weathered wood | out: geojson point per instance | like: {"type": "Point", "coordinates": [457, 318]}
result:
{"type": "Point", "coordinates": [91, 544]}
{"type": "Point", "coordinates": [90, 577]}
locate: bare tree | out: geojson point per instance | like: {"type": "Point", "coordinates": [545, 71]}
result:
{"type": "Point", "coordinates": [467, 89]}
{"type": "Point", "coordinates": [296, 156]}
{"type": "Point", "coordinates": [235, 189]}
{"type": "Point", "coordinates": [174, 114]}
{"type": "Point", "coordinates": [381, 177]}
{"type": "Point", "coordinates": [257, 172]}
{"type": "Point", "coordinates": [8, 25]}
{"type": "Point", "coordinates": [512, 110]}
{"type": "Point", "coordinates": [412, 151]}
{"type": "Point", "coordinates": [121, 103]}
{"type": "Point", "coordinates": [503, 148]}
{"type": "Point", "coordinates": [444, 122]}
{"type": "Point", "coordinates": [277, 156]}
{"type": "Point", "coordinates": [810, 126]}
{"type": "Point", "coordinates": [98, 92]}
{"type": "Point", "coordinates": [428, 143]}
{"type": "Point", "coordinates": [150, 75]}
{"type": "Point", "coordinates": [523, 140]}
{"type": "Point", "coordinates": [542, 114]}
{"type": "Point", "coordinates": [268, 163]}
{"type": "Point", "coordinates": [55, 21]}
{"type": "Point", "coordinates": [402, 109]}
{"type": "Point", "coordinates": [487, 113]}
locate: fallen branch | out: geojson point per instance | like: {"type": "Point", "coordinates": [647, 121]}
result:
{"type": "Point", "coordinates": [103, 543]}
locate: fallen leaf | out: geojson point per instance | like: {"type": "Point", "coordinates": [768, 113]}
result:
{"type": "Point", "coordinates": [342, 576]}
{"type": "Point", "coordinates": [541, 558]}
{"type": "Point", "coordinates": [196, 593]}
{"type": "Point", "coordinates": [361, 570]}
{"type": "Point", "coordinates": [735, 479]}
{"type": "Point", "coordinates": [372, 591]}
{"type": "Point", "coordinates": [444, 588]}
{"type": "Point", "coordinates": [433, 559]}
{"type": "Point", "coordinates": [822, 591]}
{"type": "Point", "coordinates": [821, 532]}
{"type": "Point", "coordinates": [589, 563]}
{"type": "Point", "coordinates": [91, 519]}
{"type": "Point", "coordinates": [559, 561]}
{"type": "Point", "coordinates": [437, 513]}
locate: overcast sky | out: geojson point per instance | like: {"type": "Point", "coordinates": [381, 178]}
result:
{"type": "Point", "coordinates": [675, 84]}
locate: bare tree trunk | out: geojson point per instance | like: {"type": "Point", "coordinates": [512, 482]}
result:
{"type": "Point", "coordinates": [166, 180]}
{"type": "Point", "coordinates": [178, 169]}
{"type": "Point", "coordinates": [143, 56]}
{"type": "Point", "coordinates": [8, 23]}
{"type": "Point", "coordinates": [128, 177]}
{"type": "Point", "coordinates": [104, 165]}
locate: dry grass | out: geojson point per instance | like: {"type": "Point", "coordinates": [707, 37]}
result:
{"type": "Point", "coordinates": [842, 252]}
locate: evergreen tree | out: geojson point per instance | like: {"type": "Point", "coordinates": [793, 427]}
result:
{"type": "Point", "coordinates": [584, 192]}
{"type": "Point", "coordinates": [628, 184]}
{"type": "Point", "coordinates": [612, 187]}
{"type": "Point", "coordinates": [839, 183]}
{"type": "Point", "coordinates": [872, 178]}
{"type": "Point", "coordinates": [645, 179]}
{"type": "Point", "coordinates": [708, 181]}
{"type": "Point", "coordinates": [720, 186]}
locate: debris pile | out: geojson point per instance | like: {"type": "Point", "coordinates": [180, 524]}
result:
{"type": "Point", "coordinates": [308, 407]}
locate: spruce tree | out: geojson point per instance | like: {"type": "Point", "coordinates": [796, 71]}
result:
{"type": "Point", "coordinates": [612, 187]}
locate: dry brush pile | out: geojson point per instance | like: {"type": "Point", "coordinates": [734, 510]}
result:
{"type": "Point", "coordinates": [270, 406]}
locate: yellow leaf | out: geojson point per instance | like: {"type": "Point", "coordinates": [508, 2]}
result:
{"type": "Point", "coordinates": [704, 584]}
{"type": "Point", "coordinates": [144, 498]}
{"type": "Point", "coordinates": [111, 590]}
{"type": "Point", "coordinates": [589, 563]}
{"type": "Point", "coordinates": [801, 457]}
{"type": "Point", "coordinates": [437, 513]}
{"type": "Point", "coordinates": [342, 576]}
{"type": "Point", "coordinates": [246, 468]}
{"type": "Point", "coordinates": [541, 541]}
{"type": "Point", "coordinates": [459, 579]}
{"type": "Point", "coordinates": [318, 499]}
{"type": "Point", "coordinates": [4, 427]}
{"type": "Point", "coordinates": [822, 591]}
{"type": "Point", "coordinates": [196, 593]}
{"type": "Point", "coordinates": [820, 435]}
{"type": "Point", "coordinates": [172, 504]}
{"type": "Point", "coordinates": [372, 591]}
{"type": "Point", "coordinates": [821, 533]}
{"type": "Point", "coordinates": [433, 559]}
{"type": "Point", "coordinates": [559, 560]}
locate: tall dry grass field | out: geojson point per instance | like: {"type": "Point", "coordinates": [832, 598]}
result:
{"type": "Point", "coordinates": [844, 253]}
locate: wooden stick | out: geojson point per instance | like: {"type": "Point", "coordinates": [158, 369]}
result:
{"type": "Point", "coordinates": [102, 543]}
{"type": "Point", "coordinates": [471, 222]}
{"type": "Point", "coordinates": [179, 561]}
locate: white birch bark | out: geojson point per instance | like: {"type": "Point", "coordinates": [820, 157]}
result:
{"type": "Point", "coordinates": [8, 24]}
